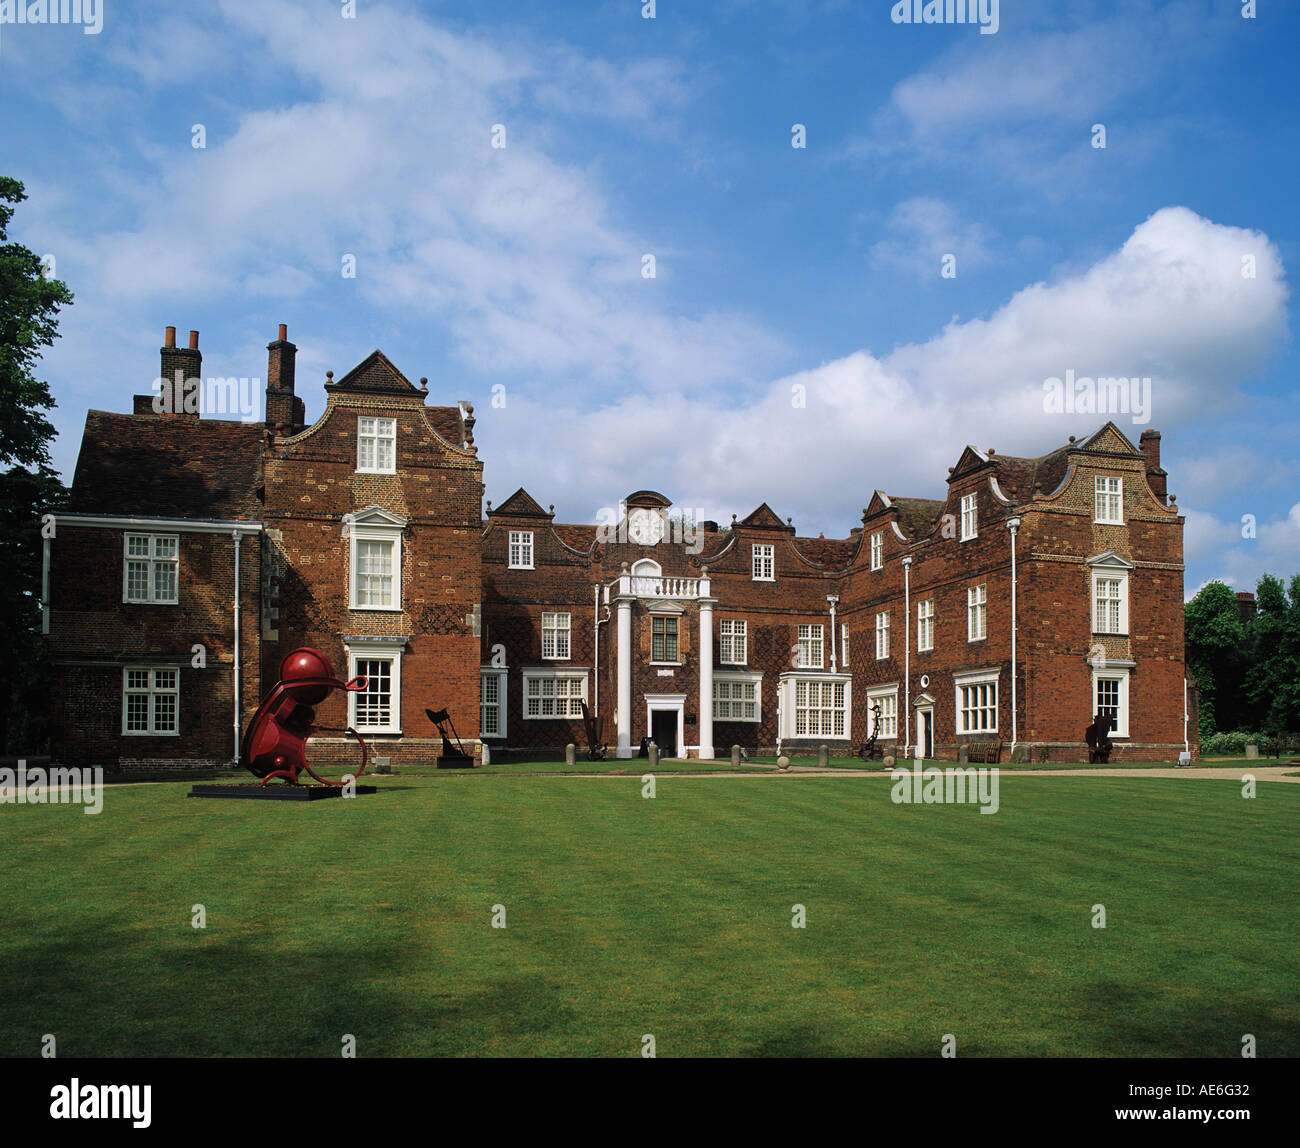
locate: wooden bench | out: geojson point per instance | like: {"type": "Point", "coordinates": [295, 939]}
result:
{"type": "Point", "coordinates": [987, 752]}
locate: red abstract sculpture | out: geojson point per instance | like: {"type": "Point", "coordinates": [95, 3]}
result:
{"type": "Point", "coordinates": [275, 743]}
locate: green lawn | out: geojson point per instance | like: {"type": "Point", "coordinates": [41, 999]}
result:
{"type": "Point", "coordinates": [670, 916]}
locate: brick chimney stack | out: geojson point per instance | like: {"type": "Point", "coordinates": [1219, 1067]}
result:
{"type": "Point", "coordinates": [285, 412]}
{"type": "Point", "coordinates": [188, 361]}
{"type": "Point", "coordinates": [1156, 476]}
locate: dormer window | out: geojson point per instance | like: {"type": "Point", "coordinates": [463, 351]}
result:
{"type": "Point", "coordinates": [1108, 500]}
{"type": "Point", "coordinates": [376, 446]}
{"type": "Point", "coordinates": [969, 517]}
{"type": "Point", "coordinates": [763, 563]}
{"type": "Point", "coordinates": [521, 550]}
{"type": "Point", "coordinates": [877, 550]}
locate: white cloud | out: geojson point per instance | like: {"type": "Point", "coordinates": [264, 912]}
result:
{"type": "Point", "coordinates": [922, 232]}
{"type": "Point", "coordinates": [1170, 303]}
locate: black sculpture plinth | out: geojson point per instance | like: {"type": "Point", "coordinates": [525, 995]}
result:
{"type": "Point", "coordinates": [277, 792]}
{"type": "Point", "coordinates": [455, 761]}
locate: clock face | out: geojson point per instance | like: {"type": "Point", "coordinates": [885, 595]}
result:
{"type": "Point", "coordinates": [645, 527]}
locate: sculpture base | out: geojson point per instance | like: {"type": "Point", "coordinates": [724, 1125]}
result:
{"type": "Point", "coordinates": [455, 761]}
{"type": "Point", "coordinates": [275, 791]}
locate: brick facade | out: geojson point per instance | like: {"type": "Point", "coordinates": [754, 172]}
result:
{"type": "Point", "coordinates": [364, 535]}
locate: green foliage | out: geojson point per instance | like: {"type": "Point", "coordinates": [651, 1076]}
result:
{"type": "Point", "coordinates": [1214, 639]}
{"type": "Point", "coordinates": [29, 306]}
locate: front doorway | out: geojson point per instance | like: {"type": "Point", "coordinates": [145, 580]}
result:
{"type": "Point", "coordinates": [664, 717]}
{"type": "Point", "coordinates": [925, 733]}
{"type": "Point", "coordinates": [663, 728]}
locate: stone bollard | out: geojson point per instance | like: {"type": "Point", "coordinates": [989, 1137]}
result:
{"type": "Point", "coordinates": [889, 761]}
{"type": "Point", "coordinates": [654, 756]}
{"type": "Point", "coordinates": [487, 754]}
{"type": "Point", "coordinates": [735, 755]}
{"type": "Point", "coordinates": [383, 765]}
{"type": "Point", "coordinates": [1252, 752]}
{"type": "Point", "coordinates": [823, 757]}
{"type": "Point", "coordinates": [963, 753]}
{"type": "Point", "coordinates": [783, 762]}
{"type": "Point", "coordinates": [570, 754]}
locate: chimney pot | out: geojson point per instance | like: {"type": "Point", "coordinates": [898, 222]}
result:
{"type": "Point", "coordinates": [169, 337]}
{"type": "Point", "coordinates": [284, 332]}
{"type": "Point", "coordinates": [194, 340]}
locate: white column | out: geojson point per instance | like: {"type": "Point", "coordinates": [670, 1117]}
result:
{"type": "Point", "coordinates": [624, 607]}
{"type": "Point", "coordinates": [706, 677]}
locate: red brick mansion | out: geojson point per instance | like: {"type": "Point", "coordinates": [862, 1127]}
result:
{"type": "Point", "coordinates": [196, 552]}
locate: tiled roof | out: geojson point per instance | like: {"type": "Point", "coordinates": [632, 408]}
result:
{"type": "Point", "coordinates": [171, 466]}
{"type": "Point", "coordinates": [833, 553]}
{"type": "Point", "coordinates": [917, 517]}
{"type": "Point", "coordinates": [1018, 477]}
{"type": "Point", "coordinates": [446, 421]}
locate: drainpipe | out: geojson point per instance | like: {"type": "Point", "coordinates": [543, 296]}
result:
{"type": "Point", "coordinates": [235, 536]}
{"type": "Point", "coordinates": [44, 587]}
{"type": "Point", "coordinates": [832, 599]}
{"type": "Point", "coordinates": [1187, 748]}
{"type": "Point", "coordinates": [907, 653]}
{"type": "Point", "coordinates": [1013, 524]}
{"type": "Point", "coordinates": [595, 630]}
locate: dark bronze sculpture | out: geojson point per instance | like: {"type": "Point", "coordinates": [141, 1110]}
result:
{"type": "Point", "coordinates": [595, 742]}
{"type": "Point", "coordinates": [1098, 739]}
{"type": "Point", "coordinates": [450, 758]}
{"type": "Point", "coordinates": [869, 748]}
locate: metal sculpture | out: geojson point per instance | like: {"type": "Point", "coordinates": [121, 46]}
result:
{"type": "Point", "coordinates": [595, 742]}
{"type": "Point", "coordinates": [1097, 737]}
{"type": "Point", "coordinates": [450, 758]}
{"type": "Point", "coordinates": [869, 748]}
{"type": "Point", "coordinates": [275, 743]}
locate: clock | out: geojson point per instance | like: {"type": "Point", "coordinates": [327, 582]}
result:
{"type": "Point", "coordinates": [645, 527]}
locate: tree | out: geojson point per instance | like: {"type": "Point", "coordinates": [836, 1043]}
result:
{"type": "Point", "coordinates": [29, 486]}
{"type": "Point", "coordinates": [1272, 680]}
{"type": "Point", "coordinates": [1214, 637]}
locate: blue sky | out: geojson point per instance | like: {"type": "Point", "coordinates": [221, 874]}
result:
{"type": "Point", "coordinates": [517, 271]}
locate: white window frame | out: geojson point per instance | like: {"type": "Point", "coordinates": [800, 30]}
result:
{"type": "Point", "coordinates": [828, 716]}
{"type": "Point", "coordinates": [970, 527]}
{"type": "Point", "coordinates": [152, 562]}
{"type": "Point", "coordinates": [377, 652]}
{"type": "Point", "coordinates": [923, 630]}
{"type": "Point", "coordinates": [976, 679]}
{"type": "Point", "coordinates": [808, 642]}
{"type": "Point", "coordinates": [878, 550]}
{"type": "Point", "coordinates": [763, 562]}
{"type": "Point", "coordinates": [844, 645]}
{"type": "Point", "coordinates": [977, 612]}
{"type": "Point", "coordinates": [1108, 499]}
{"type": "Point", "coordinates": [730, 679]}
{"type": "Point", "coordinates": [523, 539]}
{"type": "Point", "coordinates": [572, 702]}
{"type": "Point", "coordinates": [153, 692]}
{"type": "Point", "coordinates": [882, 635]}
{"type": "Point", "coordinates": [383, 430]}
{"type": "Point", "coordinates": [1102, 624]}
{"type": "Point", "coordinates": [888, 720]}
{"type": "Point", "coordinates": [374, 525]}
{"type": "Point", "coordinates": [500, 673]}
{"type": "Point", "coordinates": [1120, 675]}
{"type": "Point", "coordinates": [561, 626]}
{"type": "Point", "coordinates": [733, 641]}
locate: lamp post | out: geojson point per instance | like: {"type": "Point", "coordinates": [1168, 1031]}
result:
{"type": "Point", "coordinates": [1013, 524]}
